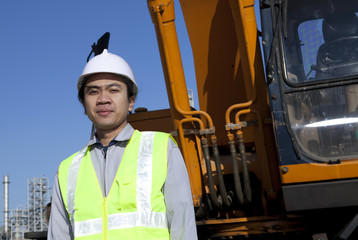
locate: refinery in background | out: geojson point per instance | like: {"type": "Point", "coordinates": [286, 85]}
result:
{"type": "Point", "coordinates": [31, 219]}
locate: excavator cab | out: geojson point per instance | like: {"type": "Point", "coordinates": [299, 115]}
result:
{"type": "Point", "coordinates": [312, 69]}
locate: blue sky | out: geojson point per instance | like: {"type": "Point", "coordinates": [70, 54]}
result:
{"type": "Point", "coordinates": [44, 46]}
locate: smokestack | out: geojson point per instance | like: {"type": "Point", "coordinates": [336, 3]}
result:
{"type": "Point", "coordinates": [6, 203]}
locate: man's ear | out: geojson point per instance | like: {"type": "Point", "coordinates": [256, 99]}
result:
{"type": "Point", "coordinates": [131, 103]}
{"type": "Point", "coordinates": [83, 105]}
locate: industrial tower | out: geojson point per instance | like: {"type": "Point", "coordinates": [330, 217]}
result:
{"type": "Point", "coordinates": [30, 219]}
{"type": "Point", "coordinates": [38, 197]}
{"type": "Point", "coordinates": [18, 223]}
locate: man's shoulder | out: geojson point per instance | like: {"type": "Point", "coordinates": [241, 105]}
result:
{"type": "Point", "coordinates": [68, 160]}
{"type": "Point", "coordinates": [71, 157]}
{"type": "Point", "coordinates": [156, 132]}
{"type": "Point", "coordinates": [164, 135]}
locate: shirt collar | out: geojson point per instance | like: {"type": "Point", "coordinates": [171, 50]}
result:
{"type": "Point", "coordinates": [124, 135]}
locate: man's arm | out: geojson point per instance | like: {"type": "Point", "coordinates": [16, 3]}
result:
{"type": "Point", "coordinates": [178, 199]}
{"type": "Point", "coordinates": [59, 227]}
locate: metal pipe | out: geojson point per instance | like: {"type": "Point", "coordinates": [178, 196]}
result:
{"type": "Point", "coordinates": [235, 166]}
{"type": "Point", "coordinates": [212, 194]}
{"type": "Point", "coordinates": [226, 197]}
{"type": "Point", "coordinates": [181, 132]}
{"type": "Point", "coordinates": [6, 203]}
{"type": "Point", "coordinates": [258, 116]}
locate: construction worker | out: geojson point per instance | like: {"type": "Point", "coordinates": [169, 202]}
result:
{"type": "Point", "coordinates": [124, 184]}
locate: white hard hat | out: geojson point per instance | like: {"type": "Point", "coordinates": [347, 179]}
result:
{"type": "Point", "coordinates": [108, 63]}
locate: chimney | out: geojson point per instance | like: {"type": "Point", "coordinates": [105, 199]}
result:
{"type": "Point", "coordinates": [6, 203]}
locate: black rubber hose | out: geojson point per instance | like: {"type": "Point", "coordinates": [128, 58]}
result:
{"type": "Point", "coordinates": [235, 166]}
{"type": "Point", "coordinates": [245, 171]}
{"type": "Point", "coordinates": [209, 172]}
{"type": "Point", "coordinates": [226, 198]}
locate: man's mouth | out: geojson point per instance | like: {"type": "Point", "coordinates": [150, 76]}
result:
{"type": "Point", "coordinates": [103, 112]}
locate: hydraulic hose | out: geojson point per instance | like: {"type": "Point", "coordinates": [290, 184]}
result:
{"type": "Point", "coordinates": [245, 171]}
{"type": "Point", "coordinates": [213, 194]}
{"type": "Point", "coordinates": [226, 198]}
{"type": "Point", "coordinates": [235, 166]}
{"type": "Point", "coordinates": [239, 133]}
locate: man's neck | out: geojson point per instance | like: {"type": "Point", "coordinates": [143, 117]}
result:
{"type": "Point", "coordinates": [106, 136]}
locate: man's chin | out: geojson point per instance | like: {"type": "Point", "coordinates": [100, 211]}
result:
{"type": "Point", "coordinates": [106, 127]}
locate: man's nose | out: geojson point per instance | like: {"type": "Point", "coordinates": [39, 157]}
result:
{"type": "Point", "coordinates": [103, 98]}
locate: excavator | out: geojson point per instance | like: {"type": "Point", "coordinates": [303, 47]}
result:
{"type": "Point", "coordinates": [272, 151]}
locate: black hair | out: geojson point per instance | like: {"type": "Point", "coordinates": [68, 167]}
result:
{"type": "Point", "coordinates": [129, 83]}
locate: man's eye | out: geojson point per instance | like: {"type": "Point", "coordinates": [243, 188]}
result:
{"type": "Point", "coordinates": [114, 90]}
{"type": "Point", "coordinates": [92, 92]}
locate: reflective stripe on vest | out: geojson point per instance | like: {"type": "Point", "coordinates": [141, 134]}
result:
{"type": "Point", "coordinates": [120, 221]}
{"type": "Point", "coordinates": [72, 180]}
{"type": "Point", "coordinates": [143, 217]}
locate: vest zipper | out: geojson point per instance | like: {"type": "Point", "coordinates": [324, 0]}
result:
{"type": "Point", "coordinates": [104, 219]}
{"type": "Point", "coordinates": [104, 151]}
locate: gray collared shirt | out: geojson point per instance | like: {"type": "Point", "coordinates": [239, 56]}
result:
{"type": "Point", "coordinates": [177, 193]}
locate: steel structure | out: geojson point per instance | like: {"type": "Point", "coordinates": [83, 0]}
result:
{"type": "Point", "coordinates": [18, 223]}
{"type": "Point", "coordinates": [30, 219]}
{"type": "Point", "coordinates": [38, 197]}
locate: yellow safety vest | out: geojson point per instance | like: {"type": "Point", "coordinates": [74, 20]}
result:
{"type": "Point", "coordinates": [134, 207]}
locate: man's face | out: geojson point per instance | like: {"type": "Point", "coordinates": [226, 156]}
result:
{"type": "Point", "coordinates": [106, 102]}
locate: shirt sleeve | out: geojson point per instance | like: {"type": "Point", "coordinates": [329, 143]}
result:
{"type": "Point", "coordinates": [59, 227]}
{"type": "Point", "coordinates": [178, 199]}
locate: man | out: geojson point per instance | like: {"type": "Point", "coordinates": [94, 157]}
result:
{"type": "Point", "coordinates": [123, 184]}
